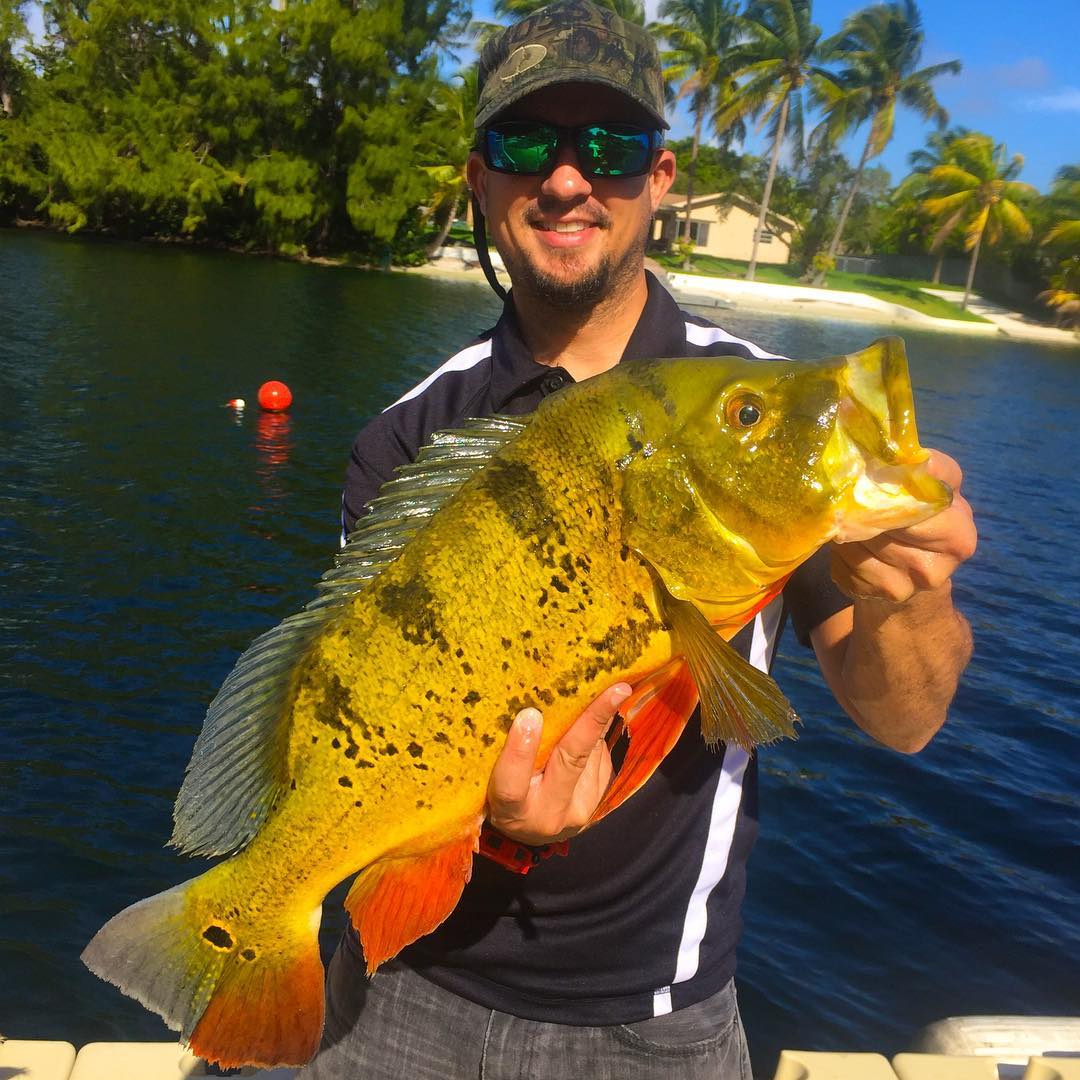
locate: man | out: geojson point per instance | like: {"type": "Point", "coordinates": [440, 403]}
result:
{"type": "Point", "coordinates": [617, 959]}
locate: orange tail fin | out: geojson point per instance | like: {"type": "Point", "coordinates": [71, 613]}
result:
{"type": "Point", "coordinates": [241, 990]}
{"type": "Point", "coordinates": [397, 900]}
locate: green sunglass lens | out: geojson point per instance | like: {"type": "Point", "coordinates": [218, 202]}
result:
{"type": "Point", "coordinates": [615, 152]}
{"type": "Point", "coordinates": [521, 151]}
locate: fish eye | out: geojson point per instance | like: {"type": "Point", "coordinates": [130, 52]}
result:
{"type": "Point", "coordinates": [744, 410]}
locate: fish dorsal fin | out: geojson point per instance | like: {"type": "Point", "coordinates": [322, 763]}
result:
{"type": "Point", "coordinates": [237, 770]}
{"type": "Point", "coordinates": [739, 703]}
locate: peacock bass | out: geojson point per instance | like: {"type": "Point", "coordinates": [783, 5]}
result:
{"type": "Point", "coordinates": [624, 531]}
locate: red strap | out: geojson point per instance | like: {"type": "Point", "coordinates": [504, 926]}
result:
{"type": "Point", "coordinates": [520, 858]}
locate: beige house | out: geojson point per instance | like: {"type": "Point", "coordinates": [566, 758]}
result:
{"type": "Point", "coordinates": [723, 225]}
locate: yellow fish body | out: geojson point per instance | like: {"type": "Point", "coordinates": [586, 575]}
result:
{"type": "Point", "coordinates": [623, 532]}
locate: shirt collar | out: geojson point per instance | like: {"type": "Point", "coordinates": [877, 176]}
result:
{"type": "Point", "coordinates": [660, 331]}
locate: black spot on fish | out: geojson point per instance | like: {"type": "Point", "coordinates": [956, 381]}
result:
{"type": "Point", "coordinates": [487, 740]}
{"type": "Point", "coordinates": [517, 492]}
{"type": "Point", "coordinates": [526, 634]}
{"type": "Point", "coordinates": [647, 377]}
{"type": "Point", "coordinates": [505, 666]}
{"type": "Point", "coordinates": [471, 698]}
{"type": "Point", "coordinates": [344, 781]}
{"type": "Point", "coordinates": [543, 598]}
{"type": "Point", "coordinates": [467, 668]}
{"type": "Point", "coordinates": [292, 785]}
{"type": "Point", "coordinates": [352, 752]}
{"type": "Point", "coordinates": [506, 642]}
{"type": "Point", "coordinates": [546, 696]}
{"type": "Point", "coordinates": [415, 749]}
{"type": "Point", "coordinates": [441, 737]}
{"type": "Point", "coordinates": [420, 765]}
{"type": "Point", "coordinates": [419, 804]}
{"type": "Point", "coordinates": [447, 779]}
{"type": "Point", "coordinates": [314, 739]}
{"type": "Point", "coordinates": [567, 565]}
{"type": "Point", "coordinates": [335, 743]}
{"type": "Point", "coordinates": [468, 722]}
{"type": "Point", "coordinates": [248, 954]}
{"type": "Point", "coordinates": [558, 583]}
{"type": "Point", "coordinates": [358, 803]}
{"type": "Point", "coordinates": [536, 655]}
{"type": "Point", "coordinates": [218, 936]}
{"type": "Point", "coordinates": [461, 751]}
{"type": "Point", "coordinates": [362, 764]}
{"type": "Point", "coordinates": [389, 749]}
{"type": "Point", "coordinates": [415, 609]}
{"type": "Point", "coordinates": [459, 653]}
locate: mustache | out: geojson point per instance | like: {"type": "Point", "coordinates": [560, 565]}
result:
{"type": "Point", "coordinates": [541, 211]}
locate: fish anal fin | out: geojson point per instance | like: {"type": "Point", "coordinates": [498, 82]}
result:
{"type": "Point", "coordinates": [399, 899]}
{"type": "Point", "coordinates": [653, 718]}
{"type": "Point", "coordinates": [739, 703]}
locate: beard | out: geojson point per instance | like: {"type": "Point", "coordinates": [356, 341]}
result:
{"type": "Point", "coordinates": [582, 291]}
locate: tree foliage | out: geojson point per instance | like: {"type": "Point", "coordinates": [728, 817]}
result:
{"type": "Point", "coordinates": [289, 129]}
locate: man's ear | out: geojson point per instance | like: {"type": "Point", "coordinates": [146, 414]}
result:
{"type": "Point", "coordinates": [661, 178]}
{"type": "Point", "coordinates": [476, 174]}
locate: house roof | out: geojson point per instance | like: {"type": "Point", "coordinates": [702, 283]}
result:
{"type": "Point", "coordinates": [678, 203]}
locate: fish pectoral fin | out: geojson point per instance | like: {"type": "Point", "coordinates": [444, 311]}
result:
{"type": "Point", "coordinates": [399, 899]}
{"type": "Point", "coordinates": [653, 718]}
{"type": "Point", "coordinates": [739, 703]}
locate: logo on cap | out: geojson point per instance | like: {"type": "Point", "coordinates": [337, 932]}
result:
{"type": "Point", "coordinates": [521, 60]}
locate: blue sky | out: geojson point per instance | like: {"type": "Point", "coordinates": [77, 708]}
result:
{"type": "Point", "coordinates": [1020, 81]}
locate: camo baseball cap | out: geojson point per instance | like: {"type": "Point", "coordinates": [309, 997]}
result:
{"type": "Point", "coordinates": [569, 41]}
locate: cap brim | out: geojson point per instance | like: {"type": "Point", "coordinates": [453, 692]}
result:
{"type": "Point", "coordinates": [541, 81]}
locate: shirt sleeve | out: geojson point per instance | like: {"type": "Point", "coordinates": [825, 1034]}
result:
{"type": "Point", "coordinates": [376, 452]}
{"type": "Point", "coordinates": [812, 596]}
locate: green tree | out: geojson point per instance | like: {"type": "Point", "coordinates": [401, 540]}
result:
{"type": "Point", "coordinates": [14, 37]}
{"type": "Point", "coordinates": [1064, 292]}
{"type": "Point", "coordinates": [976, 188]}
{"type": "Point", "coordinates": [1063, 203]}
{"type": "Point", "coordinates": [916, 186]}
{"type": "Point", "coordinates": [776, 62]}
{"type": "Point", "coordinates": [700, 35]}
{"type": "Point", "coordinates": [455, 105]}
{"type": "Point", "coordinates": [880, 48]}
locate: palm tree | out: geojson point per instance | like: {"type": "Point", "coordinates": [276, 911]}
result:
{"type": "Point", "coordinates": [776, 62]}
{"type": "Point", "coordinates": [1064, 292]}
{"type": "Point", "coordinates": [1064, 203]}
{"type": "Point", "coordinates": [916, 185]}
{"type": "Point", "coordinates": [456, 106]}
{"type": "Point", "coordinates": [976, 187]}
{"type": "Point", "coordinates": [700, 33]}
{"type": "Point", "coordinates": [880, 47]}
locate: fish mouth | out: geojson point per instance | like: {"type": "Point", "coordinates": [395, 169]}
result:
{"type": "Point", "coordinates": [888, 480]}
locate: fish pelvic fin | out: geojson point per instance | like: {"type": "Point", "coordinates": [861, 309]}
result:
{"type": "Point", "coordinates": [399, 899]}
{"type": "Point", "coordinates": [239, 992]}
{"type": "Point", "coordinates": [653, 718]}
{"type": "Point", "coordinates": [739, 703]}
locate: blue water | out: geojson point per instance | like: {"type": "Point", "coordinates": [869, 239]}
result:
{"type": "Point", "coordinates": [147, 535]}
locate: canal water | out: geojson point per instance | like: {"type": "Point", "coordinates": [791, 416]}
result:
{"type": "Point", "coordinates": [147, 534]}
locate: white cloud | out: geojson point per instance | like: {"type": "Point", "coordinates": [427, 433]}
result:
{"type": "Point", "coordinates": [1067, 99]}
{"type": "Point", "coordinates": [1027, 73]}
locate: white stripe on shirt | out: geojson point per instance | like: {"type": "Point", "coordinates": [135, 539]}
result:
{"type": "Point", "coordinates": [461, 361]}
{"type": "Point", "coordinates": [725, 811]}
{"type": "Point", "coordinates": [710, 335]}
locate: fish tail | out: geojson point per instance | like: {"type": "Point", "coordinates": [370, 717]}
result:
{"type": "Point", "coordinates": [241, 992]}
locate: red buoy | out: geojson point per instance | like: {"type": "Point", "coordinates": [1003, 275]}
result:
{"type": "Point", "coordinates": [274, 396]}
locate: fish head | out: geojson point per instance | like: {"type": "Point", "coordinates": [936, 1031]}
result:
{"type": "Point", "coordinates": [772, 460]}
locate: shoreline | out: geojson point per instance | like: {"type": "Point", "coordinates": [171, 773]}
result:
{"type": "Point", "coordinates": [728, 293]}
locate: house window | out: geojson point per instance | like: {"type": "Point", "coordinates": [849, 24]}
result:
{"type": "Point", "coordinates": [765, 237]}
{"type": "Point", "coordinates": [699, 233]}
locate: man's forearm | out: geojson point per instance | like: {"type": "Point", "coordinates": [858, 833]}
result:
{"type": "Point", "coordinates": [901, 665]}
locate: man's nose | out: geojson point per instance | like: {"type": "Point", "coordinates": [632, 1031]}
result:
{"type": "Point", "coordinates": [566, 180]}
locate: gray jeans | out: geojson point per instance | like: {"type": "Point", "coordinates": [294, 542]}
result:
{"type": "Point", "coordinates": [399, 1026]}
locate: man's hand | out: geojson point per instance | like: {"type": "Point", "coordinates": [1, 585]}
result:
{"type": "Point", "coordinates": [896, 565]}
{"type": "Point", "coordinates": [543, 807]}
{"type": "Point", "coordinates": [893, 659]}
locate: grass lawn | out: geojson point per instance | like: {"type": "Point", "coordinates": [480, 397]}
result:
{"type": "Point", "coordinates": [895, 290]}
